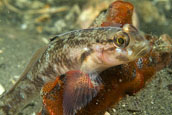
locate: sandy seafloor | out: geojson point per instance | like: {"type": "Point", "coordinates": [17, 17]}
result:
{"type": "Point", "coordinates": [18, 45]}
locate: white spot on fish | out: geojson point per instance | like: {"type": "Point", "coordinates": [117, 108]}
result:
{"type": "Point", "coordinates": [86, 49]}
{"type": "Point", "coordinates": [55, 68]}
{"type": "Point", "coordinates": [47, 57]}
{"type": "Point", "coordinates": [130, 52]}
{"type": "Point", "coordinates": [118, 50]}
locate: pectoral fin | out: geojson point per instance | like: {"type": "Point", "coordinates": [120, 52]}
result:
{"type": "Point", "coordinates": [79, 89]}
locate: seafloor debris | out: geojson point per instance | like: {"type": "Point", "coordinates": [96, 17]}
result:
{"type": "Point", "coordinates": [2, 90]}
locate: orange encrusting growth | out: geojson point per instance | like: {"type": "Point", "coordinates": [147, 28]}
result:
{"type": "Point", "coordinates": [52, 98]}
{"type": "Point", "coordinates": [119, 13]}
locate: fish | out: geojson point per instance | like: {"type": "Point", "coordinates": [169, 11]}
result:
{"type": "Point", "coordinates": [90, 51]}
{"type": "Point", "coordinates": [52, 89]}
{"type": "Point", "coordinates": [118, 80]}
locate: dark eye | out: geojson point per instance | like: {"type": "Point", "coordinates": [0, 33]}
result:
{"type": "Point", "coordinates": [121, 40]}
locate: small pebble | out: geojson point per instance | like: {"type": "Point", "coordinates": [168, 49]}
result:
{"type": "Point", "coordinates": [13, 81]}
{"type": "Point", "coordinates": [16, 76]}
{"type": "Point", "coordinates": [23, 26]}
{"type": "Point", "coordinates": [114, 110]}
{"type": "Point", "coordinates": [18, 65]}
{"type": "Point", "coordinates": [45, 40]}
{"type": "Point", "coordinates": [2, 90]}
{"type": "Point", "coordinates": [152, 102]}
{"type": "Point", "coordinates": [123, 105]}
{"type": "Point", "coordinates": [1, 51]}
{"type": "Point", "coordinates": [107, 113]}
{"type": "Point", "coordinates": [34, 113]}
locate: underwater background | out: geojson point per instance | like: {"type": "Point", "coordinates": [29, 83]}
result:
{"type": "Point", "coordinates": [27, 25]}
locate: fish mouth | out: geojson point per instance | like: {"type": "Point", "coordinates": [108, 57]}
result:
{"type": "Point", "coordinates": [142, 50]}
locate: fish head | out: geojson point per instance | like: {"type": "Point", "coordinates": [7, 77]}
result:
{"type": "Point", "coordinates": [124, 46]}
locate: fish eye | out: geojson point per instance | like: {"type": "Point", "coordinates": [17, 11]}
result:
{"type": "Point", "coordinates": [121, 41]}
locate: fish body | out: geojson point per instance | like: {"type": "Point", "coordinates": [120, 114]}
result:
{"type": "Point", "coordinates": [89, 51]}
